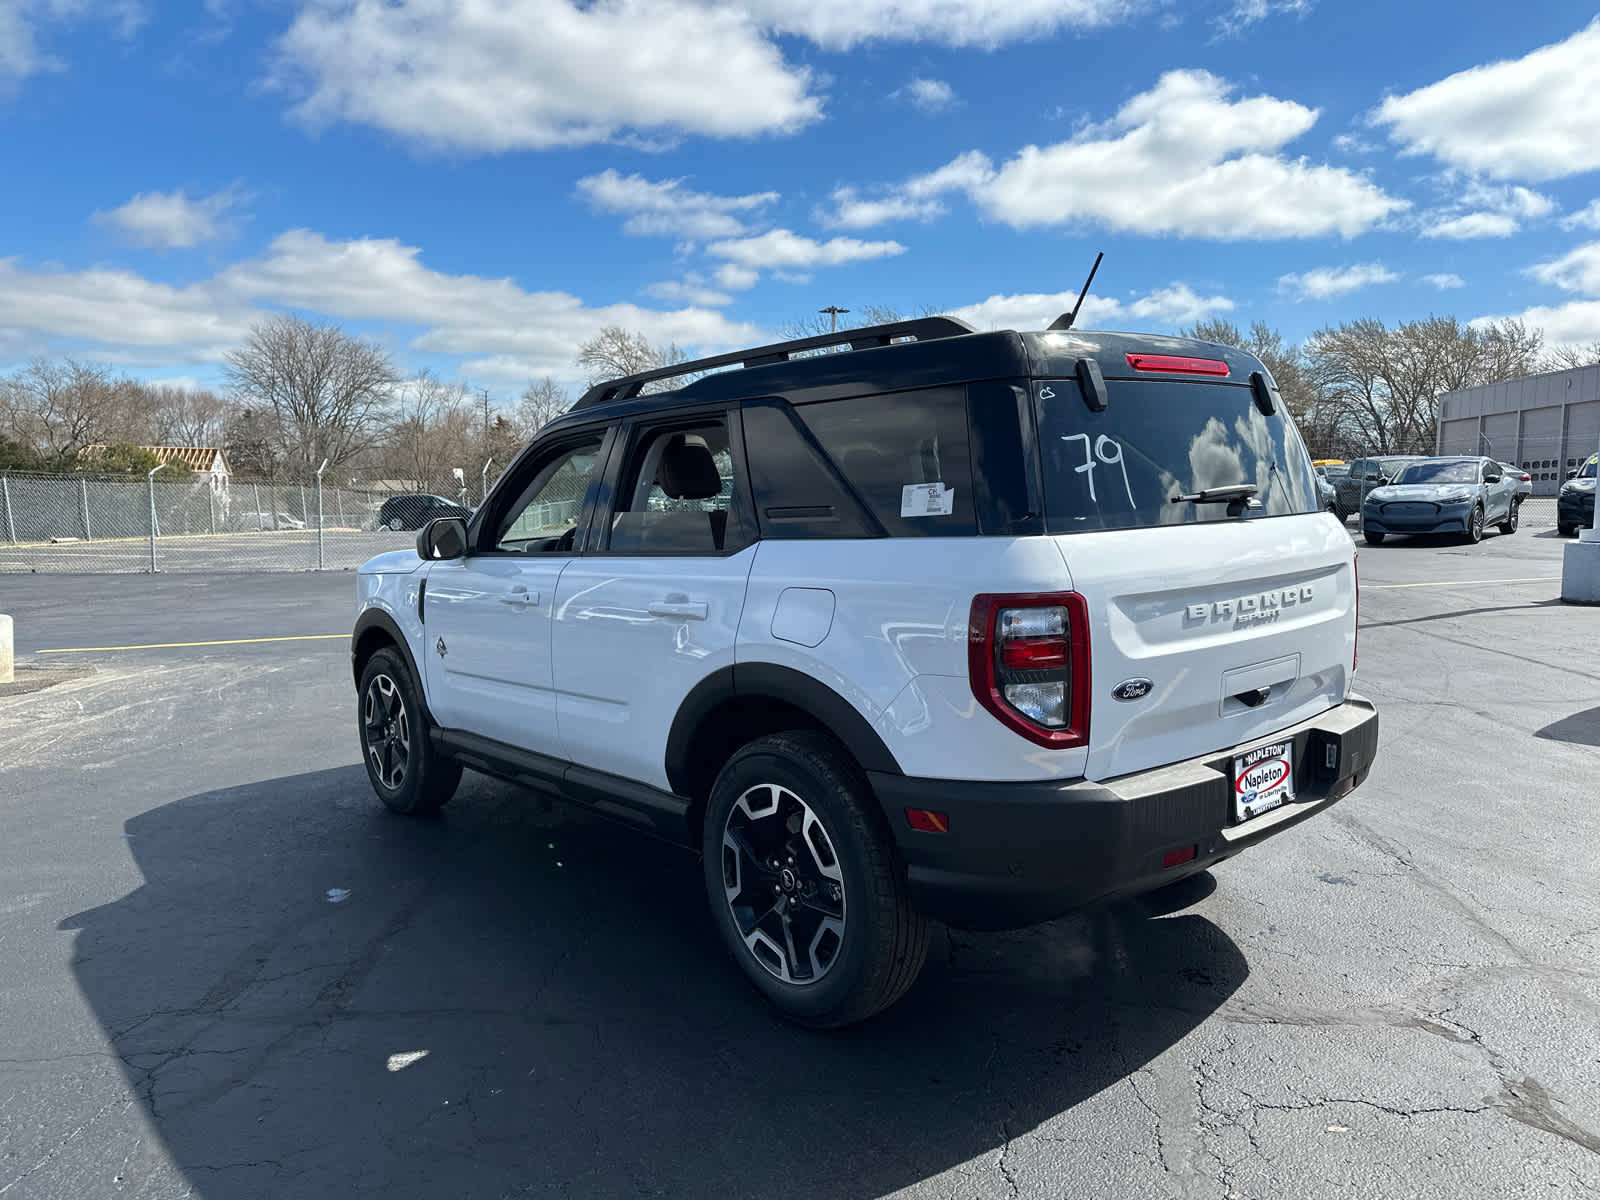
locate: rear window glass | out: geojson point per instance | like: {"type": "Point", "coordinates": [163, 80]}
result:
{"type": "Point", "coordinates": [905, 454]}
{"type": "Point", "coordinates": [1158, 441]}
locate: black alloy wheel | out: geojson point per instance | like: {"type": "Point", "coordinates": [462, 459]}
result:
{"type": "Point", "coordinates": [405, 770]}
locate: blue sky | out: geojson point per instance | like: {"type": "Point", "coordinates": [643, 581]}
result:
{"type": "Point", "coordinates": [483, 184]}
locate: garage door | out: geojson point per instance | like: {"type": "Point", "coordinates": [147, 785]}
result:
{"type": "Point", "coordinates": [1540, 450]}
{"type": "Point", "coordinates": [1459, 437]}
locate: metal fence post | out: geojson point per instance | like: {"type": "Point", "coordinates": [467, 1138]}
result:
{"type": "Point", "coordinates": [256, 488]}
{"type": "Point", "coordinates": [320, 470]}
{"type": "Point", "coordinates": [211, 507]}
{"type": "Point", "coordinates": [304, 515]}
{"type": "Point", "coordinates": [150, 479]}
{"type": "Point", "coordinates": [11, 525]}
{"type": "Point", "coordinates": [483, 482]}
{"type": "Point", "coordinates": [338, 499]}
{"type": "Point", "coordinates": [83, 497]}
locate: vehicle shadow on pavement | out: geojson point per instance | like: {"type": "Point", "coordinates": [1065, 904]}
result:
{"type": "Point", "coordinates": [312, 997]}
{"type": "Point", "coordinates": [1581, 729]}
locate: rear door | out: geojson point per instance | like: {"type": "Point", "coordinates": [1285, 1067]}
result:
{"type": "Point", "coordinates": [1240, 616]}
{"type": "Point", "coordinates": [654, 606]}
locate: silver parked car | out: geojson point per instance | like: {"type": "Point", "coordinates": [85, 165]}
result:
{"type": "Point", "coordinates": [1443, 495]}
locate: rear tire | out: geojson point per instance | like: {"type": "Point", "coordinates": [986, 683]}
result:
{"type": "Point", "coordinates": [1566, 530]}
{"type": "Point", "coordinates": [397, 524]}
{"type": "Point", "coordinates": [406, 772]}
{"type": "Point", "coordinates": [1509, 525]}
{"type": "Point", "coordinates": [805, 887]}
{"type": "Point", "coordinates": [1374, 539]}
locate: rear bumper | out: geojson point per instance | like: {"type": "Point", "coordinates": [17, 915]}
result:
{"type": "Point", "coordinates": [1020, 853]}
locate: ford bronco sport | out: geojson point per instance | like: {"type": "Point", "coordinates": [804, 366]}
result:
{"type": "Point", "coordinates": [941, 624]}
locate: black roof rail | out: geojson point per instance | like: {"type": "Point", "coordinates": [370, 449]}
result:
{"type": "Point", "coordinates": [921, 329]}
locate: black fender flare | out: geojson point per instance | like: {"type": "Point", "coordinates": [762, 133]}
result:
{"type": "Point", "coordinates": [376, 618]}
{"type": "Point", "coordinates": [770, 681]}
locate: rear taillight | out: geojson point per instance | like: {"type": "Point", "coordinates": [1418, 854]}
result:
{"type": "Point", "coordinates": [1028, 659]}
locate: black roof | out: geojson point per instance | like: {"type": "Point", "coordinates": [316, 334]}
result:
{"type": "Point", "coordinates": [927, 352]}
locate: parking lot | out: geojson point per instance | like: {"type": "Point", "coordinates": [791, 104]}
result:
{"type": "Point", "coordinates": [230, 974]}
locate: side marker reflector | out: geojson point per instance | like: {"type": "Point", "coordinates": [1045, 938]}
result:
{"type": "Point", "coordinates": [926, 821]}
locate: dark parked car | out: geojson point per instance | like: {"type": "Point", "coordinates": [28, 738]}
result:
{"type": "Point", "coordinates": [415, 511]}
{"type": "Point", "coordinates": [1442, 495]}
{"type": "Point", "coordinates": [1366, 474]}
{"type": "Point", "coordinates": [1575, 504]}
{"type": "Point", "coordinates": [1328, 495]}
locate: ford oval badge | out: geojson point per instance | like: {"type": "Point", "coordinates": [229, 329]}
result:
{"type": "Point", "coordinates": [1132, 689]}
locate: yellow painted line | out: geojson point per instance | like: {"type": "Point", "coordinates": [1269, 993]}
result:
{"type": "Point", "coordinates": [307, 637]}
{"type": "Point", "coordinates": [1378, 587]}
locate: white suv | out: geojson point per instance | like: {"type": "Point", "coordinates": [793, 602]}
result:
{"type": "Point", "coordinates": [980, 627]}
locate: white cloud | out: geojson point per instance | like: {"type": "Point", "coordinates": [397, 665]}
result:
{"type": "Point", "coordinates": [689, 290]}
{"type": "Point", "coordinates": [668, 209]}
{"type": "Point", "coordinates": [1445, 281]}
{"type": "Point", "coordinates": [22, 20]}
{"type": "Point", "coordinates": [1323, 283]}
{"type": "Point", "coordinates": [781, 249]}
{"type": "Point", "coordinates": [1165, 308]}
{"type": "Point", "coordinates": [1533, 117]}
{"type": "Point", "coordinates": [115, 307]}
{"type": "Point", "coordinates": [736, 278]}
{"type": "Point", "coordinates": [929, 95]}
{"type": "Point", "coordinates": [1576, 271]}
{"type": "Point", "coordinates": [851, 211]}
{"type": "Point", "coordinates": [1485, 210]}
{"type": "Point", "coordinates": [1246, 13]}
{"type": "Point", "coordinates": [531, 74]}
{"type": "Point", "coordinates": [1472, 225]}
{"type": "Point", "coordinates": [1352, 143]}
{"type": "Point", "coordinates": [170, 220]}
{"type": "Point", "coordinates": [370, 279]}
{"type": "Point", "coordinates": [1574, 324]}
{"type": "Point", "coordinates": [1585, 218]}
{"type": "Point", "coordinates": [1180, 159]}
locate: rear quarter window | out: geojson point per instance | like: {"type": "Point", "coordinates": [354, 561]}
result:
{"type": "Point", "coordinates": [906, 454]}
{"type": "Point", "coordinates": [1156, 441]}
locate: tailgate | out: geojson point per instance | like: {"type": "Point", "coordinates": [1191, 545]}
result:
{"type": "Point", "coordinates": [1241, 628]}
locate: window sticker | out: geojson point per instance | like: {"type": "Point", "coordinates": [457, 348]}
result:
{"type": "Point", "coordinates": [927, 500]}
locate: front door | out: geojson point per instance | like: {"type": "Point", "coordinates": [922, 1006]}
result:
{"type": "Point", "coordinates": [654, 607]}
{"type": "Point", "coordinates": [487, 617]}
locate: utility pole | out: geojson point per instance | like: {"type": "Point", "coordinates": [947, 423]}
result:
{"type": "Point", "coordinates": [486, 417]}
{"type": "Point", "coordinates": [833, 311]}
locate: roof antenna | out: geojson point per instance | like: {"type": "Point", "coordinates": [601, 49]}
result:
{"type": "Point", "coordinates": [1065, 320]}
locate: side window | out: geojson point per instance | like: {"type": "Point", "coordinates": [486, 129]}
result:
{"type": "Point", "coordinates": [905, 454]}
{"type": "Point", "coordinates": [676, 494]}
{"type": "Point", "coordinates": [544, 518]}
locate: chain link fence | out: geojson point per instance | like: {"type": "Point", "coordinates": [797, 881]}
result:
{"type": "Point", "coordinates": [99, 524]}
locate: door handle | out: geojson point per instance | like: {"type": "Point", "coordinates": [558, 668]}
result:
{"type": "Point", "coordinates": [520, 597]}
{"type": "Point", "coordinates": [694, 610]}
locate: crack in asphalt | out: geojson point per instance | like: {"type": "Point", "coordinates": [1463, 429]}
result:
{"type": "Point", "coordinates": [56, 1150]}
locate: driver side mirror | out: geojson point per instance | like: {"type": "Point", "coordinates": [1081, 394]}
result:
{"type": "Point", "coordinates": [1572, 474]}
{"type": "Point", "coordinates": [442, 538]}
{"type": "Point", "coordinates": [1493, 477]}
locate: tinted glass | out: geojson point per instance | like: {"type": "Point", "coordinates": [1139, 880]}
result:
{"type": "Point", "coordinates": [905, 454]}
{"type": "Point", "coordinates": [1158, 441]}
{"type": "Point", "coordinates": [1439, 472]}
{"type": "Point", "coordinates": [797, 494]}
{"type": "Point", "coordinates": [1587, 470]}
{"type": "Point", "coordinates": [546, 515]}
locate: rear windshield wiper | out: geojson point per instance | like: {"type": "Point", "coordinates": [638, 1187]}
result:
{"type": "Point", "coordinates": [1234, 493]}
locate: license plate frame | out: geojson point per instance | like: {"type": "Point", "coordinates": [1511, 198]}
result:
{"type": "Point", "coordinates": [1263, 780]}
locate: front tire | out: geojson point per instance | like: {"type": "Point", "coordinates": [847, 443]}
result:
{"type": "Point", "coordinates": [1374, 539]}
{"type": "Point", "coordinates": [1509, 525]}
{"type": "Point", "coordinates": [1474, 533]}
{"type": "Point", "coordinates": [406, 772]}
{"type": "Point", "coordinates": [805, 887]}
{"type": "Point", "coordinates": [396, 524]}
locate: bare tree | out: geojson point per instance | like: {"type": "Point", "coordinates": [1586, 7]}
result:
{"type": "Point", "coordinates": [253, 442]}
{"type": "Point", "coordinates": [186, 417]}
{"type": "Point", "coordinates": [329, 390]}
{"type": "Point", "coordinates": [542, 402]}
{"type": "Point", "coordinates": [433, 431]}
{"type": "Point", "coordinates": [1390, 380]}
{"type": "Point", "coordinates": [61, 407]}
{"type": "Point", "coordinates": [1566, 358]}
{"type": "Point", "coordinates": [615, 352]}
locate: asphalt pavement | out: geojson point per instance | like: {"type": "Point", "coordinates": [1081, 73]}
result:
{"type": "Point", "coordinates": [230, 974]}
